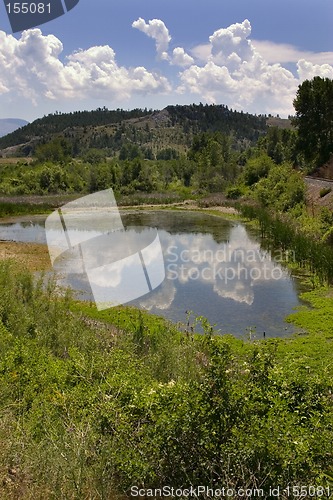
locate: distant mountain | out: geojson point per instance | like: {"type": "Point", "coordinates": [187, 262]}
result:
{"type": "Point", "coordinates": [8, 125]}
{"type": "Point", "coordinates": [154, 132]}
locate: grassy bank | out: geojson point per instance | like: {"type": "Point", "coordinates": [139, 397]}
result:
{"type": "Point", "coordinates": [94, 403]}
{"type": "Point", "coordinates": [32, 205]}
{"type": "Point", "coordinates": [35, 204]}
{"type": "Point", "coordinates": [8, 208]}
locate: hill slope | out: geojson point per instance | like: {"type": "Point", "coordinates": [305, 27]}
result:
{"type": "Point", "coordinates": [152, 131]}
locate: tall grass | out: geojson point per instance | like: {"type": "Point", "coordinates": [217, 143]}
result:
{"type": "Point", "coordinates": [93, 403]}
{"type": "Point", "coordinates": [9, 209]}
{"type": "Point", "coordinates": [158, 198]}
{"type": "Point", "coordinates": [282, 232]}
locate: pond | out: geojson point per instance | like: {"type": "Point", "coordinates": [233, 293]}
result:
{"type": "Point", "coordinates": [214, 268]}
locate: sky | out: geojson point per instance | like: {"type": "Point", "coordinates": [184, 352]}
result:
{"type": "Point", "coordinates": [250, 55]}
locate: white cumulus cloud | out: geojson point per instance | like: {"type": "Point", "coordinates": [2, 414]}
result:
{"type": "Point", "coordinates": [231, 70]}
{"type": "Point", "coordinates": [157, 30]}
{"type": "Point", "coordinates": [31, 66]}
{"type": "Point", "coordinates": [180, 58]}
{"type": "Point", "coordinates": [307, 70]}
{"type": "Point", "coordinates": [230, 45]}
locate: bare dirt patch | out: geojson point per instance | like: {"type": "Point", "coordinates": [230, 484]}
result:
{"type": "Point", "coordinates": [33, 256]}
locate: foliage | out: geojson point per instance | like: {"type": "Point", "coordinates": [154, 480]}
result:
{"type": "Point", "coordinates": [326, 218]}
{"type": "Point", "coordinates": [314, 119]}
{"type": "Point", "coordinates": [56, 123]}
{"type": "Point", "coordinates": [92, 403]}
{"type": "Point", "coordinates": [57, 150]}
{"type": "Point", "coordinates": [256, 168]}
{"type": "Point", "coordinates": [326, 225]}
{"type": "Point", "coordinates": [212, 169]}
{"type": "Point", "coordinates": [212, 118]}
{"type": "Point", "coordinates": [215, 161]}
{"type": "Point", "coordinates": [234, 192]}
{"type": "Point", "coordinates": [280, 145]}
{"type": "Point", "coordinates": [283, 189]}
{"type": "Point", "coordinates": [94, 156]}
{"type": "Point", "coordinates": [167, 154]}
{"type": "Point", "coordinates": [282, 231]}
{"type": "Point", "coordinates": [196, 146]}
{"type": "Point", "coordinates": [44, 178]}
{"type": "Point", "coordinates": [324, 191]}
{"type": "Point", "coordinates": [161, 135]}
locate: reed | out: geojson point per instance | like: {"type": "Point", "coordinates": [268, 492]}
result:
{"type": "Point", "coordinates": [280, 232]}
{"type": "Point", "coordinates": [9, 208]}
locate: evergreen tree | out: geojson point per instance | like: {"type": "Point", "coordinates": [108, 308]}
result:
{"type": "Point", "coordinates": [314, 119]}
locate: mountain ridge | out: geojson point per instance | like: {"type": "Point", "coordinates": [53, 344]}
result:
{"type": "Point", "coordinates": [151, 130]}
{"type": "Point", "coordinates": [8, 125]}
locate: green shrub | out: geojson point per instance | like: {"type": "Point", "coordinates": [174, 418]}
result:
{"type": "Point", "coordinates": [282, 190]}
{"type": "Point", "coordinates": [324, 191]}
{"type": "Point", "coordinates": [256, 169]}
{"type": "Point", "coordinates": [233, 193]}
{"type": "Point", "coordinates": [92, 403]}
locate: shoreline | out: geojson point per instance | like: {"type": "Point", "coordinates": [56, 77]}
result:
{"type": "Point", "coordinates": [36, 256]}
{"type": "Point", "coordinates": [309, 348]}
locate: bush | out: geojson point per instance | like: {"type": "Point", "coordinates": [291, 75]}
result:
{"type": "Point", "coordinates": [256, 169]}
{"type": "Point", "coordinates": [233, 193]}
{"type": "Point", "coordinates": [283, 189]}
{"type": "Point", "coordinates": [92, 403]}
{"type": "Point", "coordinates": [323, 192]}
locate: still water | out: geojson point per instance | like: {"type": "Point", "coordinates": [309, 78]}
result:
{"type": "Point", "coordinates": [215, 268]}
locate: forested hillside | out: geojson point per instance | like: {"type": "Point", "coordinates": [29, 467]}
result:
{"type": "Point", "coordinates": [152, 132]}
{"type": "Point", "coordinates": [183, 151]}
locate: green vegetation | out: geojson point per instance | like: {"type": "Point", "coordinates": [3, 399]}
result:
{"type": "Point", "coordinates": [97, 402]}
{"type": "Point", "coordinates": [308, 253]}
{"type": "Point", "coordinates": [323, 192]}
{"type": "Point", "coordinates": [280, 145]}
{"type": "Point", "coordinates": [193, 147]}
{"type": "Point", "coordinates": [314, 119]}
{"type": "Point", "coordinates": [8, 208]}
{"type": "Point", "coordinates": [57, 123]}
{"type": "Point", "coordinates": [209, 166]}
{"type": "Point", "coordinates": [202, 148]}
{"type": "Point", "coordinates": [274, 196]}
{"type": "Point", "coordinates": [146, 131]}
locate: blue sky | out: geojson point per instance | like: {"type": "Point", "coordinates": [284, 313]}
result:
{"type": "Point", "coordinates": [248, 54]}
